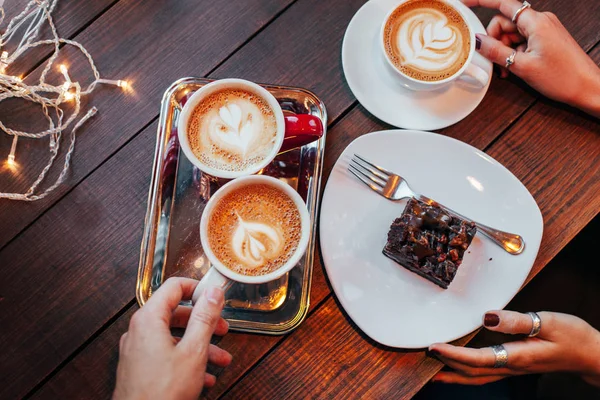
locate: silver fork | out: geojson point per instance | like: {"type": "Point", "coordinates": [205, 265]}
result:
{"type": "Point", "coordinates": [394, 187]}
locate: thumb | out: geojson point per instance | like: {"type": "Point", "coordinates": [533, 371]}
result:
{"type": "Point", "coordinates": [203, 320]}
{"type": "Point", "coordinates": [497, 52]}
{"type": "Point", "coordinates": [511, 322]}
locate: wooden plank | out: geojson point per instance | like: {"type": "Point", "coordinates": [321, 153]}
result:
{"type": "Point", "coordinates": [555, 152]}
{"type": "Point", "coordinates": [330, 358]}
{"type": "Point", "coordinates": [69, 17]}
{"type": "Point", "coordinates": [151, 44]}
{"type": "Point", "coordinates": [92, 377]}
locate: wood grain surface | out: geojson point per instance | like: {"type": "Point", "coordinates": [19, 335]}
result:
{"type": "Point", "coordinates": [151, 44]}
{"type": "Point", "coordinates": [70, 17]}
{"type": "Point", "coordinates": [65, 291]}
{"type": "Point", "coordinates": [64, 305]}
{"type": "Point", "coordinates": [555, 152]}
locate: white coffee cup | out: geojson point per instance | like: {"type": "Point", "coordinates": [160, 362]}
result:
{"type": "Point", "coordinates": [221, 276]}
{"type": "Point", "coordinates": [471, 73]}
{"type": "Point", "coordinates": [216, 86]}
{"type": "Point", "coordinates": [293, 130]}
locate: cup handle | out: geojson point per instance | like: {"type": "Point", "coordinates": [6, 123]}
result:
{"type": "Point", "coordinates": [475, 75]}
{"type": "Point", "coordinates": [301, 129]}
{"type": "Point", "coordinates": [212, 278]}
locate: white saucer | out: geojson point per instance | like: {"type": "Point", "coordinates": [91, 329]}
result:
{"type": "Point", "coordinates": [391, 304]}
{"type": "Point", "coordinates": [379, 91]}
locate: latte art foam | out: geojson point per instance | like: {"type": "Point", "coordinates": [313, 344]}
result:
{"type": "Point", "coordinates": [427, 40]}
{"type": "Point", "coordinates": [232, 130]}
{"type": "Point", "coordinates": [255, 229]}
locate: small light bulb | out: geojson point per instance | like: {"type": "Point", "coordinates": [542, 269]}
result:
{"type": "Point", "coordinates": [11, 155]}
{"type": "Point", "coordinates": [3, 61]}
{"type": "Point", "coordinates": [122, 84]}
{"type": "Point", "coordinates": [63, 69]}
{"type": "Point", "coordinates": [69, 96]}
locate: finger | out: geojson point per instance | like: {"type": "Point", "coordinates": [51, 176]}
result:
{"type": "Point", "coordinates": [505, 39]}
{"type": "Point", "coordinates": [497, 52]}
{"type": "Point", "coordinates": [500, 25]}
{"type": "Point", "coordinates": [472, 357]}
{"type": "Point", "coordinates": [508, 8]}
{"type": "Point", "coordinates": [222, 327]}
{"type": "Point", "coordinates": [167, 298]}
{"type": "Point", "coordinates": [218, 356]}
{"type": "Point", "coordinates": [455, 378]}
{"type": "Point", "coordinates": [181, 316]}
{"type": "Point", "coordinates": [203, 320]}
{"type": "Point", "coordinates": [511, 322]}
{"type": "Point", "coordinates": [474, 371]}
{"type": "Point", "coordinates": [209, 380]}
{"type": "Point", "coordinates": [515, 38]}
{"type": "Point", "coordinates": [122, 342]}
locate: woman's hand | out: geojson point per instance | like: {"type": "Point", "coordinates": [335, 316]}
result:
{"type": "Point", "coordinates": [565, 343]}
{"type": "Point", "coordinates": [155, 365]}
{"type": "Point", "coordinates": [548, 58]}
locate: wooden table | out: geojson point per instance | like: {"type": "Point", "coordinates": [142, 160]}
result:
{"type": "Point", "coordinates": [68, 263]}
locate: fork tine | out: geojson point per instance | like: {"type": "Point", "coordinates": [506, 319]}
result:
{"type": "Point", "coordinates": [385, 171]}
{"type": "Point", "coordinates": [371, 170]}
{"type": "Point", "coordinates": [373, 175]}
{"type": "Point", "coordinates": [366, 181]}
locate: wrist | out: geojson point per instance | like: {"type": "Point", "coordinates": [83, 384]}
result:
{"type": "Point", "coordinates": [591, 368]}
{"type": "Point", "coordinates": [588, 95]}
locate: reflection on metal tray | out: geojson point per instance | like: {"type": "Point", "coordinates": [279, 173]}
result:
{"type": "Point", "coordinates": [178, 193]}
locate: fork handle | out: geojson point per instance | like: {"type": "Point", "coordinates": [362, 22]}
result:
{"type": "Point", "coordinates": [510, 242]}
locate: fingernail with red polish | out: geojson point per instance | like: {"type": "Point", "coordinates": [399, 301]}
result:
{"type": "Point", "coordinates": [434, 353]}
{"type": "Point", "coordinates": [491, 320]}
{"type": "Point", "coordinates": [477, 42]}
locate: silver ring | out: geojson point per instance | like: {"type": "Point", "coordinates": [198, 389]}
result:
{"type": "Point", "coordinates": [510, 60]}
{"type": "Point", "coordinates": [501, 356]}
{"type": "Point", "coordinates": [537, 324]}
{"type": "Point", "coordinates": [524, 7]}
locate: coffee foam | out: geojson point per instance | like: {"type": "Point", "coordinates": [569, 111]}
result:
{"type": "Point", "coordinates": [427, 40]}
{"type": "Point", "coordinates": [255, 229]}
{"type": "Point", "coordinates": [232, 130]}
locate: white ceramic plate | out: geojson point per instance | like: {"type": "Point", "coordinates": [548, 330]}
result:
{"type": "Point", "coordinates": [391, 304]}
{"type": "Point", "coordinates": [376, 88]}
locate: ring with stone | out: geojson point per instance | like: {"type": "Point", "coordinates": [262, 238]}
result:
{"type": "Point", "coordinates": [536, 324]}
{"type": "Point", "coordinates": [524, 7]}
{"type": "Point", "coordinates": [501, 356]}
{"type": "Point", "coordinates": [510, 60]}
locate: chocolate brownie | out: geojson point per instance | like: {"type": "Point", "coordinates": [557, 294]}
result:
{"type": "Point", "coordinates": [429, 242]}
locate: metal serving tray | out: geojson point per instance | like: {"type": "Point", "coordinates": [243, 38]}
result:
{"type": "Point", "coordinates": [178, 193]}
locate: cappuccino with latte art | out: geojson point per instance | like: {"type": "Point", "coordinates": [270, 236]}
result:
{"type": "Point", "coordinates": [427, 40]}
{"type": "Point", "coordinates": [232, 130]}
{"type": "Point", "coordinates": [255, 229]}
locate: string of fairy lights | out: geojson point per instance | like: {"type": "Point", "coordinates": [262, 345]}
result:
{"type": "Point", "coordinates": [60, 103]}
